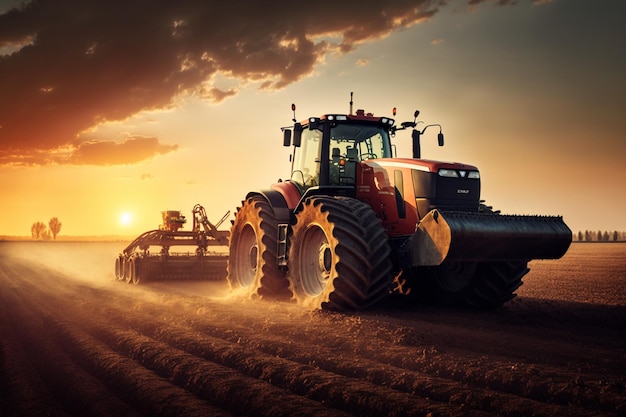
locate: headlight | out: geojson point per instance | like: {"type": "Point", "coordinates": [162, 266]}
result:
{"type": "Point", "coordinates": [450, 173]}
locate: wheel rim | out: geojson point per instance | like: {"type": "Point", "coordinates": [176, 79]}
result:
{"type": "Point", "coordinates": [246, 257]}
{"type": "Point", "coordinates": [317, 260]}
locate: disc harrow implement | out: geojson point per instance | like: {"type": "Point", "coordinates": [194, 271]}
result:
{"type": "Point", "coordinates": [168, 253]}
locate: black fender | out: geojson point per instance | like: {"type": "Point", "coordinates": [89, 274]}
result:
{"type": "Point", "coordinates": [275, 199]}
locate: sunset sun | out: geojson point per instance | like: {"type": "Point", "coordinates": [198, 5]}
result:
{"type": "Point", "coordinates": [126, 219]}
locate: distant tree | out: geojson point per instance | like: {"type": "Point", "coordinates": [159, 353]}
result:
{"type": "Point", "coordinates": [37, 230]}
{"type": "Point", "coordinates": [587, 236]}
{"type": "Point", "coordinates": [605, 236]}
{"type": "Point", "coordinates": [615, 236]}
{"type": "Point", "coordinates": [55, 227]}
{"type": "Point", "coordinates": [599, 235]}
{"type": "Point", "coordinates": [46, 235]}
{"type": "Point", "coordinates": [580, 236]}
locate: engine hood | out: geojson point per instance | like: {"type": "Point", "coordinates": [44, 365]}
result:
{"type": "Point", "coordinates": [419, 164]}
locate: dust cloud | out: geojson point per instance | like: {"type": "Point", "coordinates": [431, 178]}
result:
{"type": "Point", "coordinates": [92, 264]}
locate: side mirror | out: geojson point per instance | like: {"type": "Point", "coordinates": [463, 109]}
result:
{"type": "Point", "coordinates": [286, 137]}
{"type": "Point", "coordinates": [440, 139]}
{"type": "Point", "coordinates": [297, 135]}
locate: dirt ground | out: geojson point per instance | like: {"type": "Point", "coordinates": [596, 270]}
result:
{"type": "Point", "coordinates": [73, 342]}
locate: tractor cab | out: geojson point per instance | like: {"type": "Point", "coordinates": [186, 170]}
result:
{"type": "Point", "coordinates": [327, 149]}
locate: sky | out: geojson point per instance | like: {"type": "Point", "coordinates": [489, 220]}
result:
{"type": "Point", "coordinates": [111, 112]}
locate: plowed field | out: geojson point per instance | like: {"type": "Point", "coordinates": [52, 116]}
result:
{"type": "Point", "coordinates": [73, 342]}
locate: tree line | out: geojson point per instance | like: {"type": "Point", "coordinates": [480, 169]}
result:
{"type": "Point", "coordinates": [39, 230]}
{"type": "Point", "coordinates": [600, 236]}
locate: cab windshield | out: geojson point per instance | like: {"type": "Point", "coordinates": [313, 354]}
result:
{"type": "Point", "coordinates": [351, 142]}
{"type": "Point", "coordinates": [361, 141]}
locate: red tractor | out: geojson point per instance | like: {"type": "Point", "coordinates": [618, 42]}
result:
{"type": "Point", "coordinates": [354, 223]}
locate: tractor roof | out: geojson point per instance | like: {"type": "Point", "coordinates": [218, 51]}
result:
{"type": "Point", "coordinates": [360, 116]}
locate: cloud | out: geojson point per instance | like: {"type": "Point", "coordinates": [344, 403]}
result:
{"type": "Point", "coordinates": [217, 95]}
{"type": "Point", "coordinates": [67, 66]}
{"type": "Point", "coordinates": [132, 150]}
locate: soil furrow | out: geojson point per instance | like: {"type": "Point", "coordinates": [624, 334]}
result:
{"type": "Point", "coordinates": [440, 376]}
{"type": "Point", "coordinates": [242, 353]}
{"type": "Point", "coordinates": [55, 370]}
{"type": "Point", "coordinates": [545, 384]}
{"type": "Point", "coordinates": [72, 339]}
{"type": "Point", "coordinates": [213, 382]}
{"type": "Point", "coordinates": [148, 392]}
{"type": "Point", "coordinates": [354, 396]}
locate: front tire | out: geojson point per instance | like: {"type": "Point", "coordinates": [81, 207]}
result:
{"type": "Point", "coordinates": [481, 285]}
{"type": "Point", "coordinates": [339, 255]}
{"type": "Point", "coordinates": [473, 284]}
{"type": "Point", "coordinates": [495, 283]}
{"type": "Point", "coordinates": [252, 262]}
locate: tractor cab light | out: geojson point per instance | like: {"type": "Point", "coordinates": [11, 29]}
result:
{"type": "Point", "coordinates": [475, 175]}
{"type": "Point", "coordinates": [314, 123]}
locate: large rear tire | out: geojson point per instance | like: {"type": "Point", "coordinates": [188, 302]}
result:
{"type": "Point", "coordinates": [339, 256]}
{"type": "Point", "coordinates": [252, 262]}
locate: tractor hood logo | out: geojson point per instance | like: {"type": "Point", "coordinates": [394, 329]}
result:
{"type": "Point", "coordinates": [462, 191]}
